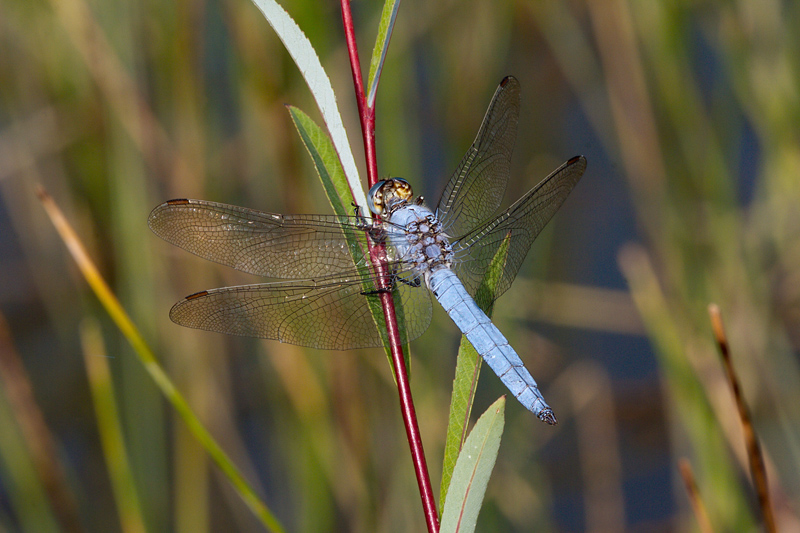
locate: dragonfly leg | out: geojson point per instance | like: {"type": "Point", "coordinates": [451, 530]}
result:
{"type": "Point", "coordinates": [394, 278]}
{"type": "Point", "coordinates": [357, 213]}
{"type": "Point", "coordinates": [416, 282]}
{"type": "Point", "coordinates": [362, 222]}
{"type": "Point", "coordinates": [390, 284]}
{"type": "Point", "coordinates": [375, 232]}
{"type": "Point", "coordinates": [375, 292]}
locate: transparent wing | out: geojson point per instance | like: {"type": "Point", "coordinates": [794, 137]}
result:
{"type": "Point", "coordinates": [265, 244]}
{"type": "Point", "coordinates": [476, 189]}
{"type": "Point", "coordinates": [327, 313]}
{"type": "Point", "coordinates": [521, 224]}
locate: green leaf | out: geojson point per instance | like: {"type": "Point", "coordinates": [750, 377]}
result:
{"type": "Point", "coordinates": [306, 59]}
{"type": "Point", "coordinates": [473, 469]}
{"type": "Point", "coordinates": [330, 172]}
{"type": "Point", "coordinates": [318, 144]}
{"type": "Point", "coordinates": [328, 166]}
{"type": "Point", "coordinates": [468, 368]}
{"type": "Point", "coordinates": [385, 27]}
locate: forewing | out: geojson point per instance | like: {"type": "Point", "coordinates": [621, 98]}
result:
{"type": "Point", "coordinates": [265, 244]}
{"type": "Point", "coordinates": [521, 224]}
{"type": "Point", "coordinates": [329, 313]}
{"type": "Point", "coordinates": [476, 189]}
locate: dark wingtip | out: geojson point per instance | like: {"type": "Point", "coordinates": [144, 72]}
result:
{"type": "Point", "coordinates": [157, 210]}
{"type": "Point", "coordinates": [546, 415]}
{"type": "Point", "coordinates": [196, 295]}
{"type": "Point", "coordinates": [508, 79]}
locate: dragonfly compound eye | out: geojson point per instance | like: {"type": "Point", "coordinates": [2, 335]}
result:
{"type": "Point", "coordinates": [385, 193]}
{"type": "Point", "coordinates": [401, 189]}
{"type": "Point", "coordinates": [375, 197]}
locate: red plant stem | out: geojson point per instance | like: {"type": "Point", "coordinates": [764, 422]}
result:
{"type": "Point", "coordinates": [365, 113]}
{"type": "Point", "coordinates": [378, 256]}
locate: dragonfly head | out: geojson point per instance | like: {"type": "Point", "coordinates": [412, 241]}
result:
{"type": "Point", "coordinates": [386, 193]}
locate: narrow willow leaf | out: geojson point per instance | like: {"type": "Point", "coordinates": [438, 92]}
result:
{"type": "Point", "coordinates": [468, 368]}
{"type": "Point", "coordinates": [330, 172]}
{"type": "Point", "coordinates": [385, 27]}
{"type": "Point", "coordinates": [306, 59]}
{"type": "Point", "coordinates": [328, 166]}
{"type": "Point", "coordinates": [473, 469]}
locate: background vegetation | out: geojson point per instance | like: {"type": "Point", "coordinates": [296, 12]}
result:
{"type": "Point", "coordinates": [688, 113]}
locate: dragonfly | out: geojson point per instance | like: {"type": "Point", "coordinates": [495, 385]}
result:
{"type": "Point", "coordinates": [329, 296]}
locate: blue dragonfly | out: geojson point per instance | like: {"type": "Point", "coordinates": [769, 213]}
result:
{"type": "Point", "coordinates": [334, 287]}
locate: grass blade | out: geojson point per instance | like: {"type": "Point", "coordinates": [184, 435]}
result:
{"type": "Point", "coordinates": [110, 428]}
{"type": "Point", "coordinates": [148, 359]}
{"type": "Point", "coordinates": [758, 470]}
{"type": "Point", "coordinates": [692, 490]}
{"type": "Point", "coordinates": [715, 472]}
{"type": "Point", "coordinates": [32, 477]}
{"type": "Point", "coordinates": [473, 469]}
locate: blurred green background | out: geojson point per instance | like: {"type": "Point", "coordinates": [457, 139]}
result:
{"type": "Point", "coordinates": [688, 113]}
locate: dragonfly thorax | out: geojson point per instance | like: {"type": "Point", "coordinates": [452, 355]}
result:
{"type": "Point", "coordinates": [418, 240]}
